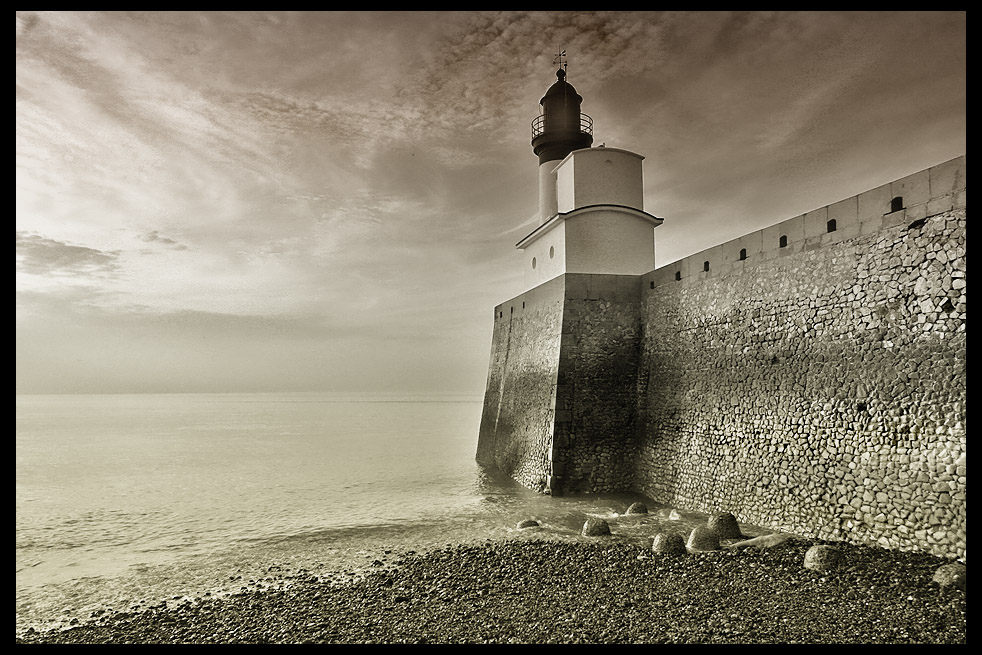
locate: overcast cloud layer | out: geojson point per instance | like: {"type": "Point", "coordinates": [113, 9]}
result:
{"type": "Point", "coordinates": [330, 201]}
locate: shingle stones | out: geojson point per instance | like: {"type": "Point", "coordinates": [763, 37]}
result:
{"type": "Point", "coordinates": [822, 557]}
{"type": "Point", "coordinates": [594, 527]}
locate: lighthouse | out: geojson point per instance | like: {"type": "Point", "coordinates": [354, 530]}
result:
{"type": "Point", "coordinates": [558, 131]}
{"type": "Point", "coordinates": [591, 200]}
{"type": "Point", "coordinates": [559, 408]}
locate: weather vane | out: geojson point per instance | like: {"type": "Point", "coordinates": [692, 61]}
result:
{"type": "Point", "coordinates": [561, 59]}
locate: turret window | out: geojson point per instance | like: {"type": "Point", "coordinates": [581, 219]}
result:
{"type": "Point", "coordinates": [896, 204]}
{"type": "Point", "coordinates": [678, 275]}
{"type": "Point", "coordinates": [533, 263]}
{"type": "Point", "coordinates": [743, 254]}
{"type": "Point", "coordinates": [552, 252]}
{"type": "Point", "coordinates": [705, 266]}
{"type": "Point", "coordinates": [831, 225]}
{"type": "Point", "coordinates": [784, 241]}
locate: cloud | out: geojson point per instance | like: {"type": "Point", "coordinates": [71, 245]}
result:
{"type": "Point", "coordinates": [365, 175]}
{"type": "Point", "coordinates": [41, 256]}
{"type": "Point", "coordinates": [154, 237]}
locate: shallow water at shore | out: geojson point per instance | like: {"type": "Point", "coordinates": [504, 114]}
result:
{"type": "Point", "coordinates": [129, 499]}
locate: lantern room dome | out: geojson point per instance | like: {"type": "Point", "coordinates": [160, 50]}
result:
{"type": "Point", "coordinates": [561, 87]}
{"type": "Point", "coordinates": [561, 128]}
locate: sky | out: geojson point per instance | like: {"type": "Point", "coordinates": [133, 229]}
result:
{"type": "Point", "coordinates": [330, 201]}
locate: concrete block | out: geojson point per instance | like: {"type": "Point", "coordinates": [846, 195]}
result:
{"type": "Point", "coordinates": [794, 229]}
{"type": "Point", "coordinates": [713, 255]}
{"type": "Point", "coordinates": [940, 204]}
{"type": "Point", "coordinates": [771, 237]}
{"type": "Point", "coordinates": [894, 219]}
{"type": "Point", "coordinates": [914, 189]}
{"type": "Point", "coordinates": [872, 225]}
{"type": "Point", "coordinates": [768, 255]}
{"type": "Point", "coordinates": [661, 276]}
{"type": "Point", "coordinates": [845, 212]}
{"type": "Point", "coordinates": [812, 243]}
{"type": "Point", "coordinates": [753, 243]}
{"type": "Point", "coordinates": [948, 177]}
{"type": "Point", "coordinates": [816, 222]}
{"type": "Point", "coordinates": [850, 231]}
{"type": "Point", "coordinates": [873, 204]}
{"type": "Point", "coordinates": [917, 212]}
{"type": "Point", "coordinates": [681, 266]}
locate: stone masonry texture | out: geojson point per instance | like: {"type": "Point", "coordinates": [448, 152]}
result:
{"type": "Point", "coordinates": [594, 440]}
{"type": "Point", "coordinates": [821, 393]}
{"type": "Point", "coordinates": [816, 389]}
{"type": "Point", "coordinates": [519, 404]}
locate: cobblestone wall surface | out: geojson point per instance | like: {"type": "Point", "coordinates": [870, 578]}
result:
{"type": "Point", "coordinates": [519, 402]}
{"type": "Point", "coordinates": [822, 392]}
{"type": "Point", "coordinates": [595, 429]}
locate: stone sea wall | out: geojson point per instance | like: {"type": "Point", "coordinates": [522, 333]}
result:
{"type": "Point", "coordinates": [595, 431]}
{"type": "Point", "coordinates": [520, 398]}
{"type": "Point", "coordinates": [560, 403]}
{"type": "Point", "coordinates": [821, 393]}
{"type": "Point", "coordinates": [809, 377]}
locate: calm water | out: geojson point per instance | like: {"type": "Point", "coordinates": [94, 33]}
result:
{"type": "Point", "coordinates": [129, 498]}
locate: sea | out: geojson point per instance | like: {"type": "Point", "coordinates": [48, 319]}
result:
{"type": "Point", "coordinates": [123, 501]}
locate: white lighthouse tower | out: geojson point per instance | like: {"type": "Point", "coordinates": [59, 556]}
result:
{"type": "Point", "coordinates": [591, 200]}
{"type": "Point", "coordinates": [560, 404]}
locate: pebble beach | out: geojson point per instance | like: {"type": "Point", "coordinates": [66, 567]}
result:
{"type": "Point", "coordinates": [535, 591]}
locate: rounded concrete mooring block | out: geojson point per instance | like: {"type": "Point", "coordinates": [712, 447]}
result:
{"type": "Point", "coordinates": [594, 527]}
{"type": "Point", "coordinates": [822, 557]}
{"type": "Point", "coordinates": [637, 508]}
{"type": "Point", "coordinates": [702, 538]}
{"type": "Point", "coordinates": [670, 543]}
{"type": "Point", "coordinates": [527, 523]}
{"type": "Point", "coordinates": [950, 575]}
{"type": "Point", "coordinates": [724, 525]}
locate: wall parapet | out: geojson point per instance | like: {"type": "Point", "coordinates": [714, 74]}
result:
{"type": "Point", "coordinates": [929, 192]}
